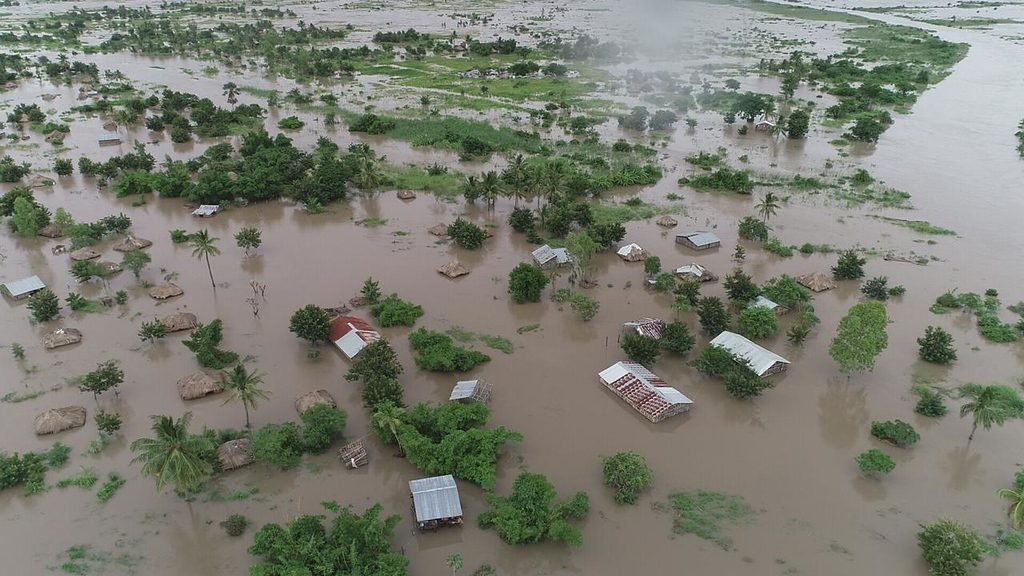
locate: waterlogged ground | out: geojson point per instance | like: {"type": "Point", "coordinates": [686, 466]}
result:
{"type": "Point", "coordinates": [789, 454]}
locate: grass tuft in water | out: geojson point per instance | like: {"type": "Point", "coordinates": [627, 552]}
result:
{"type": "Point", "coordinates": [704, 513]}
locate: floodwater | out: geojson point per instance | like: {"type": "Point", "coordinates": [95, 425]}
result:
{"type": "Point", "coordinates": [789, 453]}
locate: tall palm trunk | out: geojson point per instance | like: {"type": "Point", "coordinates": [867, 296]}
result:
{"type": "Point", "coordinates": [210, 270]}
{"type": "Point", "coordinates": [398, 441]}
{"type": "Point", "coordinates": [974, 429]}
{"type": "Point", "coordinates": [247, 425]}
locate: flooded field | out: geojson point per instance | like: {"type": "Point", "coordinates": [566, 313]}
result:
{"type": "Point", "coordinates": [788, 453]}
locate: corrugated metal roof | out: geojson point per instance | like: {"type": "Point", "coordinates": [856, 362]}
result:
{"type": "Point", "coordinates": [24, 287]}
{"type": "Point", "coordinates": [206, 210]}
{"type": "Point", "coordinates": [702, 238]}
{"type": "Point", "coordinates": [761, 360]}
{"type": "Point", "coordinates": [463, 390]}
{"type": "Point", "coordinates": [692, 270]}
{"type": "Point", "coordinates": [562, 255]}
{"type": "Point", "coordinates": [647, 326]}
{"type": "Point", "coordinates": [628, 249]}
{"type": "Point", "coordinates": [646, 392]}
{"type": "Point", "coordinates": [762, 302]}
{"type": "Point", "coordinates": [435, 498]}
{"type": "Point", "coordinates": [543, 255]}
{"type": "Point", "coordinates": [351, 335]}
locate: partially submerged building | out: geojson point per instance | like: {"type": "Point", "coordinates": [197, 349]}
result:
{"type": "Point", "coordinates": [647, 393]}
{"type": "Point", "coordinates": [632, 253]}
{"type": "Point", "coordinates": [816, 282]}
{"type": "Point", "coordinates": [699, 240]}
{"type": "Point", "coordinates": [469, 391]}
{"type": "Point", "coordinates": [109, 140]}
{"type": "Point", "coordinates": [763, 362]}
{"type": "Point", "coordinates": [695, 272]}
{"type": "Point", "coordinates": [650, 327]}
{"type": "Point", "coordinates": [762, 302]}
{"type": "Point", "coordinates": [548, 257]}
{"type": "Point", "coordinates": [436, 502]}
{"type": "Point", "coordinates": [351, 335]}
{"type": "Point", "coordinates": [20, 289]}
{"type": "Point", "coordinates": [206, 210]}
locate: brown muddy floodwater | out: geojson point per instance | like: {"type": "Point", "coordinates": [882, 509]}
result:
{"type": "Point", "coordinates": [789, 453]}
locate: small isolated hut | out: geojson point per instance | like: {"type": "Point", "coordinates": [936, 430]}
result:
{"type": "Point", "coordinates": [206, 210]}
{"type": "Point", "coordinates": [764, 124]}
{"type": "Point", "coordinates": [62, 337]}
{"type": "Point", "coordinates": [180, 321]}
{"type": "Point", "coordinates": [816, 282]}
{"type": "Point", "coordinates": [84, 254]}
{"type": "Point", "coordinates": [21, 289]}
{"type": "Point", "coordinates": [314, 398]}
{"type": "Point", "coordinates": [59, 419]}
{"type": "Point", "coordinates": [235, 454]}
{"type": "Point", "coordinates": [165, 291]}
{"type": "Point", "coordinates": [699, 240]}
{"type": "Point", "coordinates": [650, 327]}
{"type": "Point", "coordinates": [406, 195]}
{"type": "Point", "coordinates": [199, 385]}
{"type": "Point", "coordinates": [667, 222]}
{"type": "Point", "coordinates": [763, 362]}
{"type": "Point", "coordinates": [694, 271]}
{"type": "Point", "coordinates": [354, 454]}
{"type": "Point", "coordinates": [646, 392]}
{"type": "Point", "coordinates": [453, 269]}
{"type": "Point", "coordinates": [131, 243]}
{"type": "Point", "coordinates": [109, 140]}
{"type": "Point", "coordinates": [351, 335]}
{"type": "Point", "coordinates": [548, 257]}
{"type": "Point", "coordinates": [469, 391]}
{"type": "Point", "coordinates": [436, 502]}
{"type": "Point", "coordinates": [632, 253]}
{"type": "Point", "coordinates": [51, 231]}
{"type": "Point", "coordinates": [762, 302]}
{"type": "Point", "coordinates": [439, 230]}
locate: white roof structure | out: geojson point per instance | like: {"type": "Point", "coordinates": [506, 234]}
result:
{"type": "Point", "coordinates": [24, 288]}
{"type": "Point", "coordinates": [761, 360]}
{"type": "Point", "coordinates": [631, 252]}
{"type": "Point", "coordinates": [762, 302]}
{"type": "Point", "coordinates": [109, 139]}
{"type": "Point", "coordinates": [463, 390]}
{"type": "Point", "coordinates": [692, 269]}
{"type": "Point", "coordinates": [206, 210]}
{"type": "Point", "coordinates": [546, 254]}
{"type": "Point", "coordinates": [435, 498]}
{"type": "Point", "coordinates": [651, 327]}
{"type": "Point", "coordinates": [702, 239]}
{"type": "Point", "coordinates": [647, 393]}
{"type": "Point", "coordinates": [351, 335]}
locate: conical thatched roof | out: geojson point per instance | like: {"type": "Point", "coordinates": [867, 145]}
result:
{"type": "Point", "coordinates": [439, 230]}
{"type": "Point", "coordinates": [84, 254]}
{"type": "Point", "coordinates": [198, 385]}
{"type": "Point", "coordinates": [453, 269]}
{"type": "Point", "coordinates": [234, 454]}
{"type": "Point", "coordinates": [666, 221]}
{"type": "Point", "coordinates": [165, 291]}
{"type": "Point", "coordinates": [62, 337]}
{"type": "Point", "coordinates": [406, 194]}
{"type": "Point", "coordinates": [131, 243]}
{"type": "Point", "coordinates": [51, 231]}
{"type": "Point", "coordinates": [315, 398]}
{"type": "Point", "coordinates": [59, 419]}
{"type": "Point", "coordinates": [180, 321]}
{"type": "Point", "coordinates": [816, 282]}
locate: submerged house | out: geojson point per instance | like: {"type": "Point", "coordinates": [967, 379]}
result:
{"type": "Point", "coordinates": [650, 327]}
{"type": "Point", "coordinates": [632, 253]}
{"type": "Point", "coordinates": [20, 289]}
{"type": "Point", "coordinates": [699, 240]}
{"type": "Point", "coordinates": [548, 257]}
{"type": "Point", "coordinates": [109, 140]}
{"type": "Point", "coordinates": [762, 302]}
{"type": "Point", "coordinates": [351, 335]}
{"type": "Point", "coordinates": [647, 393]}
{"type": "Point", "coordinates": [694, 271]}
{"type": "Point", "coordinates": [469, 391]}
{"type": "Point", "coordinates": [206, 210]}
{"type": "Point", "coordinates": [763, 362]}
{"type": "Point", "coordinates": [436, 502]}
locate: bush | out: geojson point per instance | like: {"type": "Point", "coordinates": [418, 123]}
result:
{"type": "Point", "coordinates": [640, 348]}
{"type": "Point", "coordinates": [849, 267]}
{"type": "Point", "coordinates": [235, 525]}
{"type": "Point", "coordinates": [757, 323]}
{"type": "Point", "coordinates": [895, 432]}
{"type": "Point", "coordinates": [437, 352]}
{"type": "Point", "coordinates": [874, 462]}
{"type": "Point", "coordinates": [876, 288]}
{"type": "Point", "coordinates": [521, 219]}
{"type": "Point", "coordinates": [950, 548]}
{"type": "Point", "coordinates": [180, 236]}
{"type": "Point", "coordinates": [203, 343]}
{"type": "Point", "coordinates": [372, 124]}
{"type": "Point", "coordinates": [278, 445]}
{"type": "Point", "coordinates": [936, 346]}
{"type": "Point", "coordinates": [63, 167]}
{"type": "Point", "coordinates": [677, 338]}
{"type": "Point", "coordinates": [786, 292]}
{"type": "Point", "coordinates": [665, 282]}
{"type": "Point", "coordinates": [740, 287]}
{"type": "Point", "coordinates": [751, 228]}
{"type": "Point", "coordinates": [321, 424]}
{"type": "Point", "coordinates": [311, 323]}
{"type": "Point", "coordinates": [584, 306]}
{"type": "Point", "coordinates": [531, 513]}
{"type": "Point", "coordinates": [290, 123]}
{"type": "Point", "coordinates": [797, 334]}
{"type": "Point", "coordinates": [526, 282]}
{"type": "Point", "coordinates": [44, 305]}
{"type": "Point", "coordinates": [628, 474]}
{"type": "Point", "coordinates": [466, 234]}
{"type": "Point", "coordinates": [393, 311]}
{"type": "Point", "coordinates": [931, 404]}
{"type": "Point", "coordinates": [152, 331]}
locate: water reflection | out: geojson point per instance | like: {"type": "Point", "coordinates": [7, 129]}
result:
{"type": "Point", "coordinates": [842, 412]}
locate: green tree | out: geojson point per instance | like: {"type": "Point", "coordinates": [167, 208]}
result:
{"type": "Point", "coordinates": [203, 246]}
{"type": "Point", "coordinates": [757, 323]}
{"type": "Point", "coordinates": [378, 390]}
{"type": "Point", "coordinates": [393, 311]}
{"type": "Point", "coordinates": [135, 261]}
{"type": "Point", "coordinates": [455, 563]}
{"type": "Point", "coordinates": [740, 287]}
{"type": "Point", "coordinates": [526, 282]}
{"type": "Point", "coordinates": [243, 387]}
{"type": "Point", "coordinates": [321, 425]}
{"type": "Point", "coordinates": [203, 343]}
{"type": "Point", "coordinates": [249, 239]}
{"type": "Point", "coordinates": [45, 305]}
{"type": "Point", "coordinates": [1016, 500]}
{"type": "Point", "coordinates": [86, 270]}
{"type": "Point", "coordinates": [371, 291]}
{"type": "Point", "coordinates": [107, 422]}
{"type": "Point", "coordinates": [174, 456]}
{"type": "Point", "coordinates": [25, 220]}
{"type": "Point", "coordinates": [677, 338]}
{"type": "Point", "coordinates": [786, 292]}
{"type": "Point", "coordinates": [768, 206]}
{"type": "Point", "coordinates": [279, 445]}
{"type": "Point", "coordinates": [152, 331]}
{"type": "Point", "coordinates": [751, 228]}
{"type": "Point", "coordinates": [849, 267]}
{"type": "Point", "coordinates": [531, 513]}
{"type": "Point", "coordinates": [231, 91]}
{"type": "Point", "coordinates": [950, 548]}
{"type": "Point", "coordinates": [641, 348]}
{"type": "Point", "coordinates": [582, 248]}
{"type": "Point", "coordinates": [714, 318]}
{"type": "Point", "coordinates": [936, 346]}
{"type": "Point", "coordinates": [652, 266]}
{"type": "Point", "coordinates": [860, 338]}
{"type": "Point", "coordinates": [107, 375]}
{"type": "Point", "coordinates": [466, 234]}
{"type": "Point", "coordinates": [388, 416]}
{"type": "Point", "coordinates": [876, 288]}
{"type": "Point", "coordinates": [628, 474]}
{"type": "Point", "coordinates": [798, 124]}
{"type": "Point", "coordinates": [990, 405]}
{"type": "Point", "coordinates": [584, 306]}
{"type": "Point", "coordinates": [378, 359]}
{"type": "Point", "coordinates": [866, 130]}
{"type": "Point", "coordinates": [874, 462]}
{"type": "Point", "coordinates": [312, 323]}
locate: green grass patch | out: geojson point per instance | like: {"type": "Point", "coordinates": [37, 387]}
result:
{"type": "Point", "coordinates": [904, 44]}
{"type": "Point", "coordinates": [114, 483]}
{"type": "Point", "coordinates": [82, 559]}
{"type": "Point", "coordinates": [616, 213]}
{"type": "Point", "coordinates": [454, 133]}
{"type": "Point", "coordinates": [969, 22]}
{"type": "Point", "coordinates": [463, 336]}
{"type": "Point", "coordinates": [795, 12]}
{"type": "Point", "coordinates": [15, 397]}
{"type": "Point", "coordinates": [705, 513]}
{"type": "Point", "coordinates": [84, 479]}
{"type": "Point", "coordinates": [920, 226]}
{"type": "Point", "coordinates": [219, 494]}
{"type": "Point", "coordinates": [880, 196]}
{"type": "Point", "coordinates": [448, 185]}
{"type": "Point", "coordinates": [372, 222]}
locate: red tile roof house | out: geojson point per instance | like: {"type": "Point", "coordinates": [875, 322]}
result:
{"type": "Point", "coordinates": [351, 335]}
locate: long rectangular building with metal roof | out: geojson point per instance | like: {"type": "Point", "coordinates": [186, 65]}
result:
{"type": "Point", "coordinates": [763, 362]}
{"type": "Point", "coordinates": [647, 393]}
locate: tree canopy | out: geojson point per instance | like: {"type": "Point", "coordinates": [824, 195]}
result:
{"type": "Point", "coordinates": [532, 513]}
{"type": "Point", "coordinates": [860, 338]}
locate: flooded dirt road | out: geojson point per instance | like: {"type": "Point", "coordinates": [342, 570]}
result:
{"type": "Point", "coordinates": [790, 453]}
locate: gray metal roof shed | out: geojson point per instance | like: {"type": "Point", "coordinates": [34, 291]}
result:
{"type": "Point", "coordinates": [24, 288]}
{"type": "Point", "coordinates": [435, 498]}
{"type": "Point", "coordinates": [463, 390]}
{"type": "Point", "coordinates": [699, 240]}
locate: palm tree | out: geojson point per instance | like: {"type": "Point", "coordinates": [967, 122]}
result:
{"type": "Point", "coordinates": [125, 117]}
{"type": "Point", "coordinates": [174, 456]}
{"type": "Point", "coordinates": [515, 175]}
{"type": "Point", "coordinates": [490, 186]}
{"type": "Point", "coordinates": [244, 387]}
{"type": "Point", "coordinates": [389, 415]}
{"type": "Point", "coordinates": [369, 175]}
{"type": "Point", "coordinates": [1016, 511]}
{"type": "Point", "coordinates": [203, 246]}
{"type": "Point", "coordinates": [231, 91]}
{"type": "Point", "coordinates": [768, 207]}
{"type": "Point", "coordinates": [992, 404]}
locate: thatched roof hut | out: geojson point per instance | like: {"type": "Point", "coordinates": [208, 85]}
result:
{"type": "Point", "coordinates": [667, 222]}
{"type": "Point", "coordinates": [110, 127]}
{"type": "Point", "coordinates": [439, 230]}
{"type": "Point", "coordinates": [131, 243]}
{"type": "Point", "coordinates": [51, 231]}
{"type": "Point", "coordinates": [165, 291]}
{"type": "Point", "coordinates": [84, 254]}
{"type": "Point", "coordinates": [62, 337]}
{"type": "Point", "coordinates": [314, 398]}
{"type": "Point", "coordinates": [59, 419]}
{"type": "Point", "coordinates": [199, 385]}
{"type": "Point", "coordinates": [406, 195]}
{"type": "Point", "coordinates": [180, 321]}
{"type": "Point", "coordinates": [816, 282]}
{"type": "Point", "coordinates": [354, 454]}
{"type": "Point", "coordinates": [235, 454]}
{"type": "Point", "coordinates": [453, 269]}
